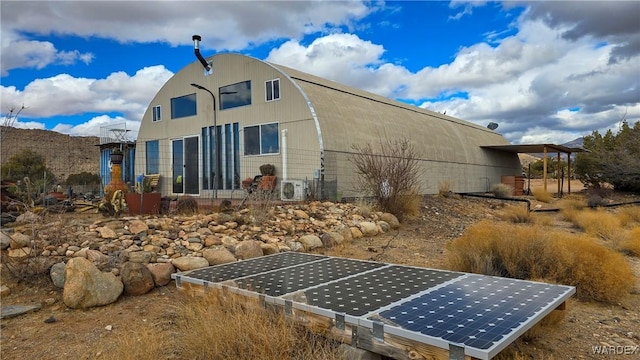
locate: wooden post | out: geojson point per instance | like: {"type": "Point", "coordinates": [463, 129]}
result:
{"type": "Point", "coordinates": [544, 166]}
{"type": "Point", "coordinates": [569, 173]}
{"type": "Point", "coordinates": [559, 175]}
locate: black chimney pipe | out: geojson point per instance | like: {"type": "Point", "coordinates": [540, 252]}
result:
{"type": "Point", "coordinates": [196, 49]}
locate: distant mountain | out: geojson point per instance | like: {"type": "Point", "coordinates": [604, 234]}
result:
{"type": "Point", "coordinates": [64, 154]}
{"type": "Point", "coordinates": [577, 143]}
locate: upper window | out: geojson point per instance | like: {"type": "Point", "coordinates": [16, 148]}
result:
{"type": "Point", "coordinates": [272, 89]}
{"type": "Point", "coordinates": [153, 156]}
{"type": "Point", "coordinates": [235, 95]}
{"type": "Point", "coordinates": [183, 106]}
{"type": "Point", "coordinates": [261, 139]}
{"type": "Point", "coordinates": [157, 114]}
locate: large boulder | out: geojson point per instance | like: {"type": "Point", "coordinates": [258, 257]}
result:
{"type": "Point", "coordinates": [186, 263]}
{"type": "Point", "coordinates": [19, 240]}
{"type": "Point", "coordinates": [248, 249]}
{"type": "Point", "coordinates": [86, 286]}
{"type": "Point", "coordinates": [136, 278]}
{"type": "Point", "coordinates": [161, 272]}
{"type": "Point", "coordinates": [332, 239]}
{"type": "Point", "coordinates": [218, 256]}
{"type": "Point", "coordinates": [310, 242]}
{"type": "Point", "coordinates": [57, 274]}
{"type": "Point", "coordinates": [390, 219]}
{"type": "Point", "coordinates": [368, 228]}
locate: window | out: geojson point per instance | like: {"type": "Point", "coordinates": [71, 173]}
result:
{"type": "Point", "coordinates": [272, 89]}
{"type": "Point", "coordinates": [221, 169]}
{"type": "Point", "coordinates": [261, 139]}
{"type": "Point", "coordinates": [157, 114]}
{"type": "Point", "coordinates": [235, 95]}
{"type": "Point", "coordinates": [153, 156]}
{"type": "Point", "coordinates": [183, 106]}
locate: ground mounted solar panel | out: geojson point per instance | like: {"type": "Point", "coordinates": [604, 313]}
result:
{"type": "Point", "coordinates": [466, 314]}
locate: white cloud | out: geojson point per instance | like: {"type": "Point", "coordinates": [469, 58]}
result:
{"type": "Point", "coordinates": [524, 82]}
{"type": "Point", "coordinates": [231, 24]}
{"type": "Point", "coordinates": [344, 58]}
{"type": "Point", "coordinates": [18, 52]}
{"type": "Point", "coordinates": [92, 127]}
{"type": "Point", "coordinates": [67, 95]}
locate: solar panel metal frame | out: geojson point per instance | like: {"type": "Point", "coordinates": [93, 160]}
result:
{"type": "Point", "coordinates": [186, 275]}
{"type": "Point", "coordinates": [286, 301]}
{"type": "Point", "coordinates": [469, 350]}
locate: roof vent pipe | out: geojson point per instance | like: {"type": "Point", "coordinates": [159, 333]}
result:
{"type": "Point", "coordinates": [196, 49]}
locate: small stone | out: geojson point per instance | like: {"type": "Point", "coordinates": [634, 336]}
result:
{"type": "Point", "coordinates": [50, 320]}
{"type": "Point", "coordinates": [4, 290]}
{"type": "Point", "coordinates": [108, 327]}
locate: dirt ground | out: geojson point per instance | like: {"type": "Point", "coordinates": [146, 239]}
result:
{"type": "Point", "coordinates": [56, 332]}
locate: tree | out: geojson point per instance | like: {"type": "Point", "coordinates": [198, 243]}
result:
{"type": "Point", "coordinates": [612, 159]}
{"type": "Point", "coordinates": [390, 174]}
{"type": "Point", "coordinates": [27, 163]}
{"type": "Point", "coordinates": [83, 178]}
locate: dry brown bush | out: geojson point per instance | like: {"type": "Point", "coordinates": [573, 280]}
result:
{"type": "Point", "coordinates": [629, 215]}
{"type": "Point", "coordinates": [541, 195]}
{"type": "Point", "coordinates": [501, 190]}
{"type": "Point", "coordinates": [516, 214]}
{"type": "Point", "coordinates": [534, 252]}
{"type": "Point", "coordinates": [389, 173]}
{"type": "Point", "coordinates": [599, 223]}
{"type": "Point", "coordinates": [631, 245]}
{"type": "Point", "coordinates": [218, 325]}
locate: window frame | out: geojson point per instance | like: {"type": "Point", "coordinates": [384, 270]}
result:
{"type": "Point", "coordinates": [261, 139]}
{"type": "Point", "coordinates": [228, 92]}
{"type": "Point", "coordinates": [270, 89]}
{"type": "Point", "coordinates": [182, 114]}
{"type": "Point", "coordinates": [155, 161]}
{"type": "Point", "coordinates": [156, 113]}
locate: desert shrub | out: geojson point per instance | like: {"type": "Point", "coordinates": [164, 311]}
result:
{"type": "Point", "coordinates": [187, 205]}
{"type": "Point", "coordinates": [629, 215]}
{"type": "Point", "coordinates": [531, 252]}
{"type": "Point", "coordinates": [444, 188]}
{"type": "Point", "coordinates": [501, 190]}
{"type": "Point", "coordinates": [218, 325]}
{"type": "Point", "coordinates": [260, 204]}
{"type": "Point", "coordinates": [595, 201]}
{"type": "Point", "coordinates": [542, 195]}
{"type": "Point", "coordinates": [516, 214]}
{"type": "Point", "coordinates": [631, 245]}
{"type": "Point", "coordinates": [220, 322]}
{"type": "Point", "coordinates": [389, 173]}
{"type": "Point", "coordinates": [571, 203]}
{"type": "Point", "coordinates": [599, 223]}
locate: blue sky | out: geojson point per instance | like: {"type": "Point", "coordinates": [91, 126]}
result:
{"type": "Point", "coordinates": [544, 71]}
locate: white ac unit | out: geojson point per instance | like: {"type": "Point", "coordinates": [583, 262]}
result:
{"type": "Point", "coordinates": [293, 190]}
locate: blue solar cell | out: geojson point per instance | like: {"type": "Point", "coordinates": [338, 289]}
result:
{"type": "Point", "coordinates": [474, 310]}
{"type": "Point", "coordinates": [364, 293]}
{"type": "Point", "coordinates": [303, 276]}
{"type": "Point", "coordinates": [253, 266]}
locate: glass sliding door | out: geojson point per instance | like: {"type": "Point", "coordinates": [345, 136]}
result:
{"type": "Point", "coordinates": [178, 166]}
{"type": "Point", "coordinates": [186, 172]}
{"type": "Point", "coordinates": [191, 168]}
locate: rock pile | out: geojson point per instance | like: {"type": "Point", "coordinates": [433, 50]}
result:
{"type": "Point", "coordinates": [98, 261]}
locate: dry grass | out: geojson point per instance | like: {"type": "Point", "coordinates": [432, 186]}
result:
{"type": "Point", "coordinates": [540, 194]}
{"type": "Point", "coordinates": [501, 190]}
{"type": "Point", "coordinates": [629, 215]}
{"type": "Point", "coordinates": [444, 188]}
{"type": "Point", "coordinates": [516, 214]}
{"type": "Point", "coordinates": [599, 223]}
{"type": "Point", "coordinates": [220, 325]}
{"type": "Point", "coordinates": [534, 252]}
{"type": "Point", "coordinates": [631, 245]}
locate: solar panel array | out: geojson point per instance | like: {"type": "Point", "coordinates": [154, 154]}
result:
{"type": "Point", "coordinates": [482, 314]}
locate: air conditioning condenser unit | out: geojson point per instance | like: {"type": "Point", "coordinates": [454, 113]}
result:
{"type": "Point", "coordinates": [293, 190]}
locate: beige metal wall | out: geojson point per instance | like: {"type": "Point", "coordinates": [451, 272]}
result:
{"type": "Point", "coordinates": [291, 112]}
